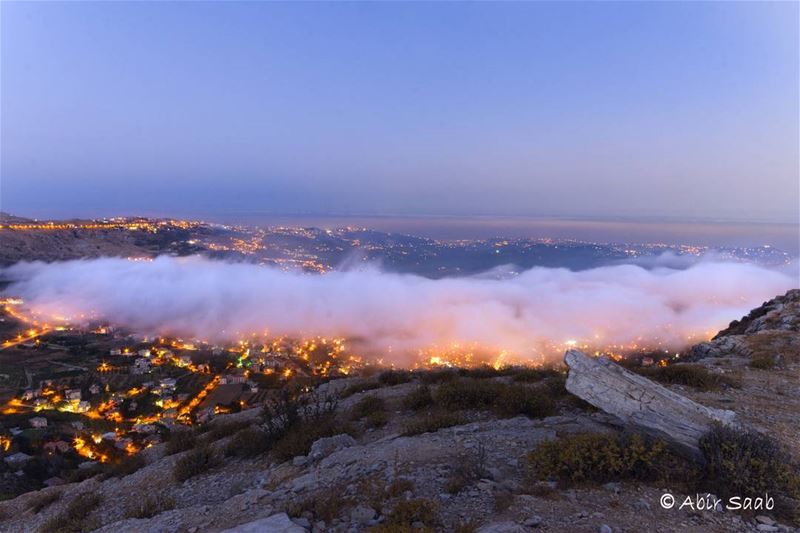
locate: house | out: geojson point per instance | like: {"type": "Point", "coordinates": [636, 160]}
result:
{"type": "Point", "coordinates": [115, 351]}
{"type": "Point", "coordinates": [94, 389]}
{"type": "Point", "coordinates": [73, 394]}
{"type": "Point", "coordinates": [57, 446]}
{"type": "Point", "coordinates": [232, 379]}
{"type": "Point", "coordinates": [17, 460]}
{"type": "Point", "coordinates": [144, 353]}
{"type": "Point", "coordinates": [140, 366]}
{"type": "Point", "coordinates": [38, 422]}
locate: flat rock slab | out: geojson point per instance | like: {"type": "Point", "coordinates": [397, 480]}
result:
{"type": "Point", "coordinates": [277, 523]}
{"type": "Point", "coordinates": [642, 403]}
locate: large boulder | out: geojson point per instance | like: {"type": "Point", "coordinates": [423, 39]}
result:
{"type": "Point", "coordinates": [641, 403]}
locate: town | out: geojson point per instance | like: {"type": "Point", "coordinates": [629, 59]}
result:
{"type": "Point", "coordinates": [76, 398]}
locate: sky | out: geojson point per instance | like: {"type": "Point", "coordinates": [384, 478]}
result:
{"type": "Point", "coordinates": [668, 109]}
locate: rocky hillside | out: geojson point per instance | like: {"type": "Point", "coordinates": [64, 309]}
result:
{"type": "Point", "coordinates": [480, 450]}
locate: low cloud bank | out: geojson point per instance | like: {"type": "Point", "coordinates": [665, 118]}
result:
{"type": "Point", "coordinates": [529, 314]}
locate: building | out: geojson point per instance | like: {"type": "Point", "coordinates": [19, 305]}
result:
{"type": "Point", "coordinates": [38, 422]}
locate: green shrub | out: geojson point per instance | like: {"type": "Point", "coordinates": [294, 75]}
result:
{"type": "Point", "coordinates": [516, 400]}
{"type": "Point", "coordinates": [299, 438]}
{"type": "Point", "coordinates": [180, 440]}
{"type": "Point", "coordinates": [440, 375]}
{"type": "Point", "coordinates": [419, 398]}
{"type": "Point", "coordinates": [599, 458]}
{"type": "Point", "coordinates": [763, 362]}
{"type": "Point", "coordinates": [195, 462]}
{"type": "Point", "coordinates": [75, 517]}
{"type": "Point", "coordinates": [746, 463]}
{"type": "Point", "coordinates": [432, 421]}
{"type": "Point", "coordinates": [377, 419]}
{"type": "Point", "coordinates": [691, 375]}
{"type": "Point", "coordinates": [368, 405]}
{"type": "Point", "coordinates": [150, 506]}
{"type": "Point", "coordinates": [248, 442]}
{"type": "Point", "coordinates": [467, 393]}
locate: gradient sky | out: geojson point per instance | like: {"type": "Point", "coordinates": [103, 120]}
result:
{"type": "Point", "coordinates": [602, 109]}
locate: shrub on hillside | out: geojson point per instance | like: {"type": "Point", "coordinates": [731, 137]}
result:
{"type": "Point", "coordinates": [394, 377]}
{"type": "Point", "coordinates": [466, 393]}
{"type": "Point", "coordinates": [75, 517]}
{"type": "Point", "coordinates": [599, 458]}
{"type": "Point", "coordinates": [180, 440]}
{"type": "Point", "coordinates": [248, 442]}
{"type": "Point", "coordinates": [746, 463]}
{"type": "Point", "coordinates": [368, 405]}
{"type": "Point", "coordinates": [419, 398]}
{"type": "Point", "coordinates": [432, 421]}
{"type": "Point", "coordinates": [195, 462]}
{"type": "Point", "coordinates": [43, 499]}
{"type": "Point", "coordinates": [691, 375]}
{"type": "Point", "coordinates": [515, 400]}
{"type": "Point", "coordinates": [150, 506]}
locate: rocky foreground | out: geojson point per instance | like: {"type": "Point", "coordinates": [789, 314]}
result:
{"type": "Point", "coordinates": [452, 452]}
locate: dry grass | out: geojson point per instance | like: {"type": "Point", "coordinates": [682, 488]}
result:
{"type": "Point", "coordinates": [75, 517]}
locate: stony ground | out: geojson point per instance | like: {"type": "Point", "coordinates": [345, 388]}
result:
{"type": "Point", "coordinates": [348, 484]}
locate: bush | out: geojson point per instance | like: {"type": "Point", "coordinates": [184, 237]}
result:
{"type": "Point", "coordinates": [467, 393]}
{"type": "Point", "coordinates": [394, 377]}
{"type": "Point", "coordinates": [193, 463]}
{"type": "Point", "coordinates": [534, 375]}
{"type": "Point", "coordinates": [326, 505]}
{"type": "Point", "coordinates": [762, 363]}
{"type": "Point", "coordinates": [75, 517]}
{"type": "Point", "coordinates": [180, 440]}
{"type": "Point", "coordinates": [150, 506]}
{"type": "Point", "coordinates": [599, 458]}
{"type": "Point", "coordinates": [524, 400]}
{"type": "Point", "coordinates": [378, 419]}
{"type": "Point", "coordinates": [299, 438]}
{"type": "Point", "coordinates": [249, 442]}
{"type": "Point", "coordinates": [746, 463]}
{"type": "Point", "coordinates": [362, 386]}
{"type": "Point", "coordinates": [44, 499]}
{"type": "Point", "coordinates": [468, 468]}
{"type": "Point", "coordinates": [367, 406]}
{"type": "Point", "coordinates": [432, 421]}
{"type": "Point", "coordinates": [419, 398]}
{"type": "Point", "coordinates": [691, 375]}
{"type": "Point", "coordinates": [224, 429]}
{"type": "Point", "coordinates": [407, 512]}
{"type": "Point", "coordinates": [125, 467]}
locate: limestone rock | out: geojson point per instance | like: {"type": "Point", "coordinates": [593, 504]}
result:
{"type": "Point", "coordinates": [639, 402]}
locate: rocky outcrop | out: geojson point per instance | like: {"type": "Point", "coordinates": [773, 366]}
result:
{"type": "Point", "coordinates": [769, 331]}
{"type": "Point", "coordinates": [780, 313]}
{"type": "Point", "coordinates": [639, 402]}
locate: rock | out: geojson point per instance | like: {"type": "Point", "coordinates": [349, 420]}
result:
{"type": "Point", "coordinates": [613, 487]}
{"type": "Point", "coordinates": [302, 522]}
{"type": "Point", "coordinates": [605, 529]}
{"type": "Point", "coordinates": [761, 519]}
{"type": "Point", "coordinates": [501, 527]}
{"type": "Point", "coordinates": [765, 527]}
{"type": "Point", "coordinates": [299, 460]}
{"type": "Point", "coordinates": [362, 514]}
{"type": "Point", "coordinates": [328, 445]}
{"type": "Point", "coordinates": [277, 523]}
{"type": "Point", "coordinates": [534, 521]}
{"type": "Point", "coordinates": [642, 505]}
{"type": "Point", "coordinates": [642, 403]}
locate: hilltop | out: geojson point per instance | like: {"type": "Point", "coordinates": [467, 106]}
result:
{"type": "Point", "coordinates": [450, 450]}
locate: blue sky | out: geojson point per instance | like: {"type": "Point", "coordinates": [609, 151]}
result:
{"type": "Point", "coordinates": [592, 109]}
